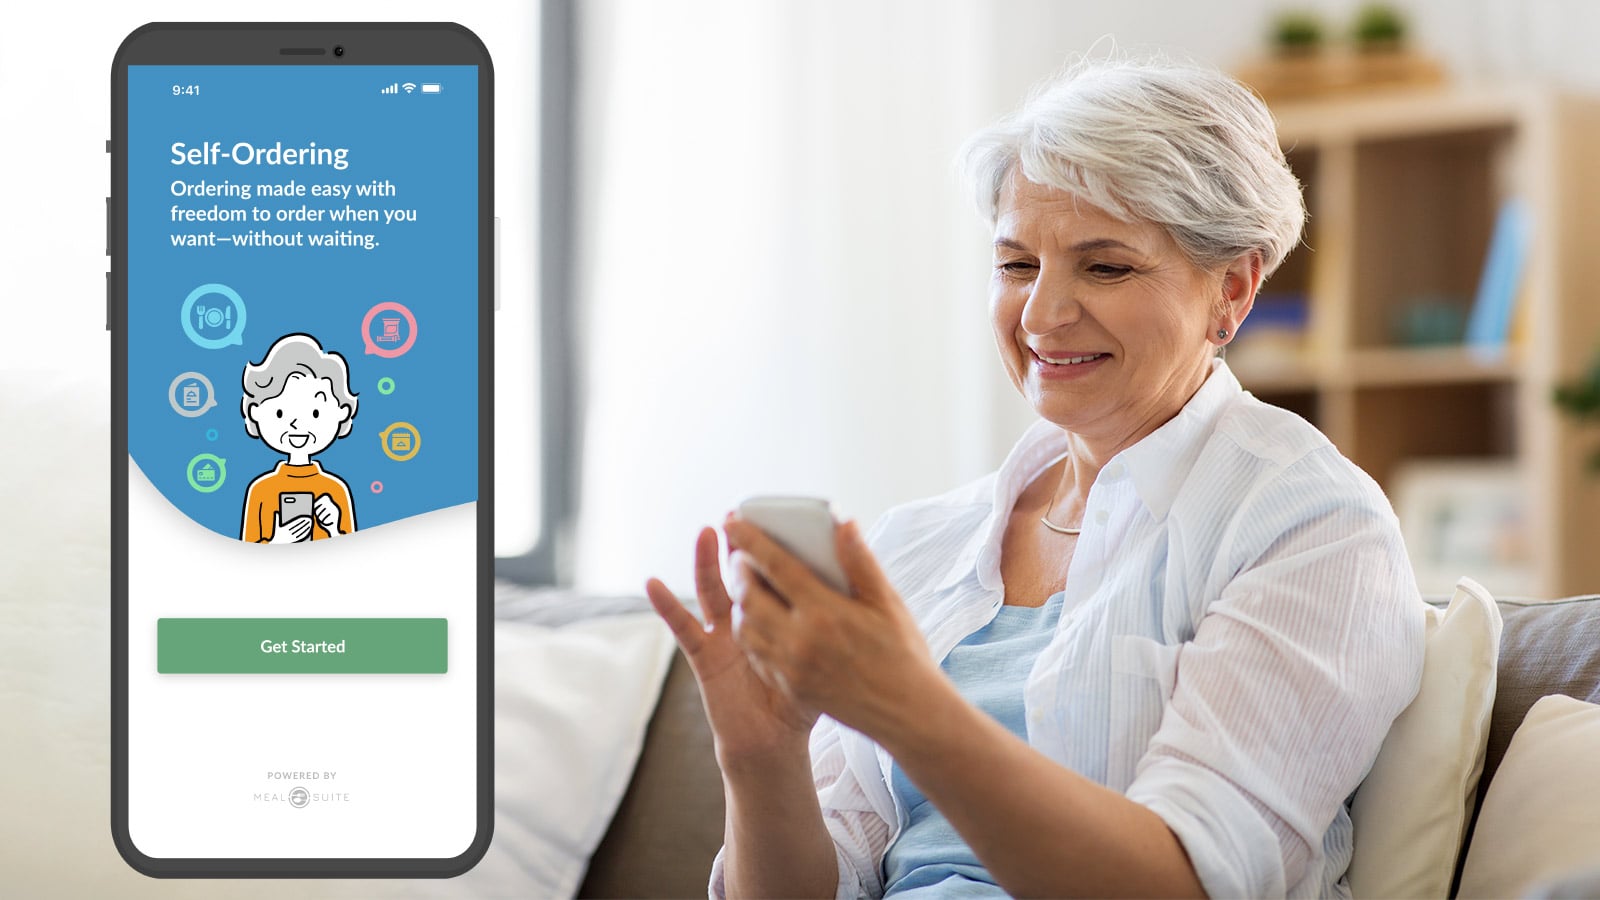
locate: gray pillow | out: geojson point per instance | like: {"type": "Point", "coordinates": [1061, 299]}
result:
{"type": "Point", "coordinates": [1548, 647]}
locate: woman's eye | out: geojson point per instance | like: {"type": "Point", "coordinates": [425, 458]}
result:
{"type": "Point", "coordinates": [280, 413]}
{"type": "Point", "coordinates": [1107, 270]}
{"type": "Point", "coordinates": [1016, 268]}
{"type": "Point", "coordinates": [315, 413]}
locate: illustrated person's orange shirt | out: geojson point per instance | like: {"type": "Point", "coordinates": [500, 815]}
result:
{"type": "Point", "coordinates": [261, 500]}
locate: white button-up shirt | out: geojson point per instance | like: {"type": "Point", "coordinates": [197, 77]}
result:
{"type": "Point", "coordinates": [1241, 627]}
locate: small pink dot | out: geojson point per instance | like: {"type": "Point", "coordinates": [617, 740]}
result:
{"type": "Point", "coordinates": [377, 487]}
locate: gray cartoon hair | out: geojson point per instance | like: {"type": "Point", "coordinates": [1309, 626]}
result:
{"type": "Point", "coordinates": [290, 356]}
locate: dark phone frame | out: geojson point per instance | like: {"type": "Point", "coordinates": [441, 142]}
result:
{"type": "Point", "coordinates": [299, 43]}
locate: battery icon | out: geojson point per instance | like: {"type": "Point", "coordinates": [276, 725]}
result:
{"type": "Point", "coordinates": [428, 88]}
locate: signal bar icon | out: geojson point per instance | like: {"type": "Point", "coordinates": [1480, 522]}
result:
{"type": "Point", "coordinates": [391, 89]}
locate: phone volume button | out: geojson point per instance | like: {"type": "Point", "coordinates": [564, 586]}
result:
{"type": "Point", "coordinates": [108, 301]}
{"type": "Point", "coordinates": [108, 226]}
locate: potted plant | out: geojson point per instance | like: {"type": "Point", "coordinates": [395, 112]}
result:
{"type": "Point", "coordinates": [1378, 28]}
{"type": "Point", "coordinates": [1581, 400]}
{"type": "Point", "coordinates": [1297, 33]}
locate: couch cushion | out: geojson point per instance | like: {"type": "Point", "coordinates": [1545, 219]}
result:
{"type": "Point", "coordinates": [1411, 811]}
{"type": "Point", "coordinates": [668, 827]}
{"type": "Point", "coordinates": [1545, 648]}
{"type": "Point", "coordinates": [1539, 820]}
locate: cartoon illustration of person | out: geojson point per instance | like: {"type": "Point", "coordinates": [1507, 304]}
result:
{"type": "Point", "coordinates": [298, 401]}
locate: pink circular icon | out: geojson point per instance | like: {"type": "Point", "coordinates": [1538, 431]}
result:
{"type": "Point", "coordinates": [377, 487]}
{"type": "Point", "coordinates": [388, 344]}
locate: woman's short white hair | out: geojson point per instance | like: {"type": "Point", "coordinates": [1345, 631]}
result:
{"type": "Point", "coordinates": [1180, 145]}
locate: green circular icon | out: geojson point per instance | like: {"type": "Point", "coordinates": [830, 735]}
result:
{"type": "Point", "coordinates": [207, 472]}
{"type": "Point", "coordinates": [386, 385]}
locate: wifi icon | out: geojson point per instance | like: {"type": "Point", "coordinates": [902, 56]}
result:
{"type": "Point", "coordinates": [409, 86]}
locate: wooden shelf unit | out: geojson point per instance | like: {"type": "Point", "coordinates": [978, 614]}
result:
{"type": "Point", "coordinates": [1403, 189]}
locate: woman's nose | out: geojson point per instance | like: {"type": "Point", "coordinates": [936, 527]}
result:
{"type": "Point", "coordinates": [1051, 304]}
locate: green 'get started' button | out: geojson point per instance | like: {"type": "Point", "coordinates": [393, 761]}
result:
{"type": "Point", "coordinates": [300, 646]}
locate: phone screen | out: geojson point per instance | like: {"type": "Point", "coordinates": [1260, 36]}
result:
{"type": "Point", "coordinates": [302, 362]}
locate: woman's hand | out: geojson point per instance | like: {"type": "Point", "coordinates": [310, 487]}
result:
{"type": "Point", "coordinates": [861, 659]}
{"type": "Point", "coordinates": [327, 513]}
{"type": "Point", "coordinates": [293, 531]}
{"type": "Point", "coordinates": [751, 720]}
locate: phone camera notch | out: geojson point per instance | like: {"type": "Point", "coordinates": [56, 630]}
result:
{"type": "Point", "coordinates": [338, 49]}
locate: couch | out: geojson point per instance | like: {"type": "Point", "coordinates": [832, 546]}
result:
{"type": "Point", "coordinates": [666, 830]}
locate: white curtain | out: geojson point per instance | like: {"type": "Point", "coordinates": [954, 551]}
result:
{"type": "Point", "coordinates": [781, 285]}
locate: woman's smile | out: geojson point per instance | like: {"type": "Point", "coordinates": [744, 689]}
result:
{"type": "Point", "coordinates": [1061, 365]}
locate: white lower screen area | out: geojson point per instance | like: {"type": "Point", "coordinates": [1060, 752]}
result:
{"type": "Point", "coordinates": [388, 763]}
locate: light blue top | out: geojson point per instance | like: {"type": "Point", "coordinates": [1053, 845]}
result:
{"type": "Point", "coordinates": [990, 668]}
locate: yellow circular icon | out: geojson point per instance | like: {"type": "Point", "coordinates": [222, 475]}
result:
{"type": "Point", "coordinates": [401, 441]}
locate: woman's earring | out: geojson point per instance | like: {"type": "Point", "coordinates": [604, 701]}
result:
{"type": "Point", "coordinates": [1222, 334]}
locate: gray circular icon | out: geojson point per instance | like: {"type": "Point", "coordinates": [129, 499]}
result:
{"type": "Point", "coordinates": [191, 394]}
{"type": "Point", "coordinates": [299, 797]}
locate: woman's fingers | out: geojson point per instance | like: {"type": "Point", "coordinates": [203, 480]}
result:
{"type": "Point", "coordinates": [685, 627]}
{"type": "Point", "coordinates": [860, 566]}
{"type": "Point", "coordinates": [782, 569]}
{"type": "Point", "coordinates": [764, 613]}
{"type": "Point", "coordinates": [708, 581]}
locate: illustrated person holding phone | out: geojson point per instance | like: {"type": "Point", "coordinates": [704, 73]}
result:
{"type": "Point", "coordinates": [298, 401]}
{"type": "Point", "coordinates": [1154, 653]}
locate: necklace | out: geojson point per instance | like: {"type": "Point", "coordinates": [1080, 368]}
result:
{"type": "Point", "coordinates": [1045, 519]}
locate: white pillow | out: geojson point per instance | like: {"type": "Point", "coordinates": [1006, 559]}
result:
{"type": "Point", "coordinates": [1411, 812]}
{"type": "Point", "coordinates": [1541, 818]}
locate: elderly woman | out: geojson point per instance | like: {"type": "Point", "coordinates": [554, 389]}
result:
{"type": "Point", "coordinates": [1157, 651]}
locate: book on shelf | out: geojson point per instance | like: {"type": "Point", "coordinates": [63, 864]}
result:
{"type": "Point", "coordinates": [1272, 338]}
{"type": "Point", "coordinates": [1489, 325]}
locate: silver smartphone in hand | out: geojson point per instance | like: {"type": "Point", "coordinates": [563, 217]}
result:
{"type": "Point", "coordinates": [804, 527]}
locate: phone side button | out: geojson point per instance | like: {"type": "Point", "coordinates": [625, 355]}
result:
{"type": "Point", "coordinates": [108, 226]}
{"type": "Point", "coordinates": [108, 301]}
{"type": "Point", "coordinates": [496, 263]}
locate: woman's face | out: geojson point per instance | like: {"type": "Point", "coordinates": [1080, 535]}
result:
{"type": "Point", "coordinates": [1104, 326]}
{"type": "Point", "coordinates": [302, 420]}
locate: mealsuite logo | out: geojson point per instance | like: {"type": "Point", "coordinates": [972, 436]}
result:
{"type": "Point", "coordinates": [299, 796]}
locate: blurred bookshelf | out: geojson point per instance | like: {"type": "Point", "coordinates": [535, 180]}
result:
{"type": "Point", "coordinates": [1364, 329]}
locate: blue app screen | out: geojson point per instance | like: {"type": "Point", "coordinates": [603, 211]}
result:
{"type": "Point", "coordinates": [295, 219]}
{"type": "Point", "coordinates": [302, 396]}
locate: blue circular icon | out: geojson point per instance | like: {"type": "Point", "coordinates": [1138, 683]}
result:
{"type": "Point", "coordinates": [211, 434]}
{"type": "Point", "coordinates": [213, 323]}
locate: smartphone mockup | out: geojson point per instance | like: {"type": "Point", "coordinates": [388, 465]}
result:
{"type": "Point", "coordinates": [301, 312]}
{"type": "Point", "coordinates": [803, 526]}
